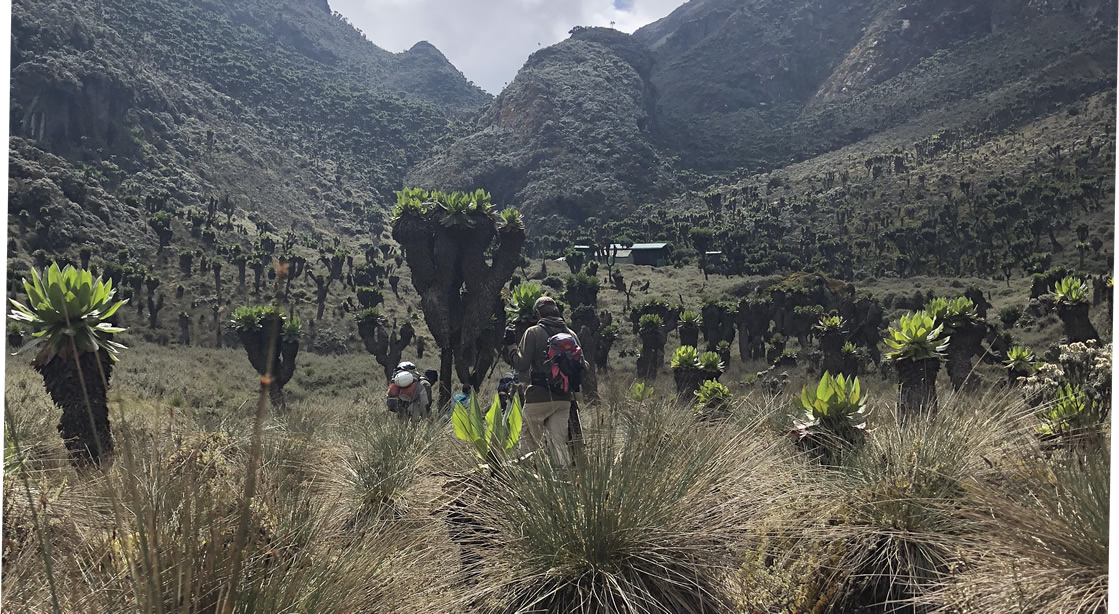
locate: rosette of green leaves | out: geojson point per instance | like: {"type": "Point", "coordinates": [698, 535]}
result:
{"type": "Point", "coordinates": [690, 319]}
{"type": "Point", "coordinates": [68, 306]}
{"type": "Point", "coordinates": [835, 403]}
{"type": "Point", "coordinates": [649, 323]}
{"type": "Point", "coordinates": [1072, 410]}
{"type": "Point", "coordinates": [830, 324]}
{"type": "Point", "coordinates": [521, 301]}
{"type": "Point", "coordinates": [1071, 290]}
{"type": "Point", "coordinates": [712, 395]}
{"type": "Point", "coordinates": [917, 337]}
{"type": "Point", "coordinates": [1020, 359]}
{"type": "Point", "coordinates": [712, 362]}
{"type": "Point", "coordinates": [685, 357]}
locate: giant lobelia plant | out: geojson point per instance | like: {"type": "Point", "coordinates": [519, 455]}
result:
{"type": "Point", "coordinates": [918, 347]}
{"type": "Point", "coordinates": [492, 434]}
{"type": "Point", "coordinates": [461, 256]}
{"type": "Point", "coordinates": [68, 312]}
{"type": "Point", "coordinates": [271, 340]}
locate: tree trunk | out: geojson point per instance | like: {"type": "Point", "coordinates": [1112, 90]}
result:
{"type": "Point", "coordinates": [602, 355]}
{"type": "Point", "coordinates": [689, 335]}
{"type": "Point", "coordinates": [84, 426]}
{"type": "Point", "coordinates": [1078, 326]}
{"type": "Point", "coordinates": [966, 342]}
{"type": "Point", "coordinates": [688, 382]}
{"type": "Point", "coordinates": [652, 355]}
{"type": "Point", "coordinates": [276, 397]}
{"type": "Point", "coordinates": [446, 361]}
{"type": "Point", "coordinates": [917, 388]}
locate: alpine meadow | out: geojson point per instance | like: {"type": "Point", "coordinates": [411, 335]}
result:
{"type": "Point", "coordinates": [767, 307]}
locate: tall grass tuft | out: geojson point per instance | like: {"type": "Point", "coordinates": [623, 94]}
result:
{"type": "Point", "coordinates": [1042, 544]}
{"type": "Point", "coordinates": [382, 462]}
{"type": "Point", "coordinates": [650, 518]}
{"type": "Point", "coordinates": [902, 500]}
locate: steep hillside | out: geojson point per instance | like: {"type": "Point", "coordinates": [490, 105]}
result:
{"type": "Point", "coordinates": [157, 139]}
{"type": "Point", "coordinates": [733, 88]}
{"type": "Point", "coordinates": [259, 101]}
{"type": "Point", "coordinates": [568, 139]}
{"type": "Point", "coordinates": [762, 83]}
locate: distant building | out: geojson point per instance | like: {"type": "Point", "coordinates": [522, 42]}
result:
{"type": "Point", "coordinates": [647, 254]}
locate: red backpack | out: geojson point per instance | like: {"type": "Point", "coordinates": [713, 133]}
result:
{"type": "Point", "coordinates": [565, 363]}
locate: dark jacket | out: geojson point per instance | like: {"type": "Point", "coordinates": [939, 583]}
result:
{"type": "Point", "coordinates": [529, 358]}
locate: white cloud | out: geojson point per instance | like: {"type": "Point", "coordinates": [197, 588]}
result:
{"type": "Point", "coordinates": [489, 40]}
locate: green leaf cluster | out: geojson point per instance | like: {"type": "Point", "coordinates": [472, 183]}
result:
{"type": "Point", "coordinates": [834, 401]}
{"type": "Point", "coordinates": [68, 306]}
{"type": "Point", "coordinates": [685, 357]}
{"type": "Point", "coordinates": [712, 395]}
{"type": "Point", "coordinates": [690, 319]}
{"type": "Point", "coordinates": [490, 433]}
{"type": "Point", "coordinates": [459, 209]}
{"type": "Point", "coordinates": [711, 362]}
{"type": "Point", "coordinates": [367, 316]}
{"type": "Point", "coordinates": [1071, 291]}
{"type": "Point", "coordinates": [522, 299]}
{"type": "Point", "coordinates": [1072, 410]}
{"type": "Point", "coordinates": [649, 322]}
{"type": "Point", "coordinates": [255, 318]}
{"type": "Point", "coordinates": [830, 324]}
{"type": "Point", "coordinates": [917, 337]}
{"type": "Point", "coordinates": [1020, 358]}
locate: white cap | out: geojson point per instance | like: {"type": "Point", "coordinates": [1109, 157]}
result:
{"type": "Point", "coordinates": [403, 379]}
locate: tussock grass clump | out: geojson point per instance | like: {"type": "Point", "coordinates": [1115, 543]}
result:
{"type": "Point", "coordinates": [381, 464]}
{"type": "Point", "coordinates": [902, 501]}
{"type": "Point", "coordinates": [650, 518]}
{"type": "Point", "coordinates": [1042, 540]}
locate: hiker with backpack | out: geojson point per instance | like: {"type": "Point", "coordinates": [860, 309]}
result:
{"type": "Point", "coordinates": [409, 395]}
{"type": "Point", "coordinates": [550, 358]}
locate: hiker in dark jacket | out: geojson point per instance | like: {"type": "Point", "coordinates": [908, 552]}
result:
{"type": "Point", "coordinates": [545, 412]}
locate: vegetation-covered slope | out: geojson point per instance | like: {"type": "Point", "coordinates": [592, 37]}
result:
{"type": "Point", "coordinates": [761, 83]}
{"type": "Point", "coordinates": [569, 138]}
{"type": "Point", "coordinates": [731, 88]}
{"type": "Point", "coordinates": [279, 105]}
{"type": "Point", "coordinates": [158, 139]}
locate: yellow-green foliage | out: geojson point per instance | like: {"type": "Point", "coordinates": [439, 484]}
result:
{"type": "Point", "coordinates": [69, 305]}
{"type": "Point", "coordinates": [521, 301]}
{"type": "Point", "coordinates": [710, 361]}
{"type": "Point", "coordinates": [685, 357]}
{"type": "Point", "coordinates": [1071, 290]}
{"type": "Point", "coordinates": [712, 395]}
{"type": "Point", "coordinates": [489, 433]}
{"type": "Point", "coordinates": [834, 399]}
{"type": "Point", "coordinates": [917, 337]}
{"type": "Point", "coordinates": [1020, 358]}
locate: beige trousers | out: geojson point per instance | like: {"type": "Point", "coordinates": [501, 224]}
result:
{"type": "Point", "coordinates": [547, 426]}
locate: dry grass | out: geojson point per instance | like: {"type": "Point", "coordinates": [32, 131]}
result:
{"type": "Point", "coordinates": [964, 513]}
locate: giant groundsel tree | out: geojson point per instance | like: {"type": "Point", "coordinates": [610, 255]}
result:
{"type": "Point", "coordinates": [461, 255]}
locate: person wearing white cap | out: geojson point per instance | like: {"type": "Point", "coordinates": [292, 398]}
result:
{"type": "Point", "coordinates": [409, 393]}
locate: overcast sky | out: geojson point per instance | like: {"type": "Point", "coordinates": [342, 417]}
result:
{"type": "Point", "coordinates": [489, 40]}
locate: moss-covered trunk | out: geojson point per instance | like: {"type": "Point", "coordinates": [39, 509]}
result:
{"type": "Point", "coordinates": [1078, 326]}
{"type": "Point", "coordinates": [652, 355]}
{"type": "Point", "coordinates": [85, 412]}
{"type": "Point", "coordinates": [917, 388]}
{"type": "Point", "coordinates": [689, 335]}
